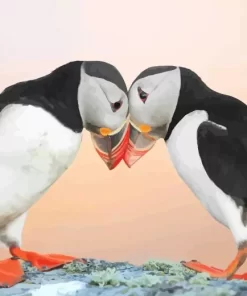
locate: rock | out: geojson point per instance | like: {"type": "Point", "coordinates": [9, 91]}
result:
{"type": "Point", "coordinates": [99, 277]}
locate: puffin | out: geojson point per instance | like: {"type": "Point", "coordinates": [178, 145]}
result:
{"type": "Point", "coordinates": [206, 136]}
{"type": "Point", "coordinates": [41, 125]}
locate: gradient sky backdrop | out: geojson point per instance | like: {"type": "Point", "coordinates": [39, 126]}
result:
{"type": "Point", "coordinates": [146, 212]}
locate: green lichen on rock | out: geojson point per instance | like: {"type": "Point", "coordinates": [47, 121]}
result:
{"type": "Point", "coordinates": [94, 265]}
{"type": "Point", "coordinates": [102, 273]}
{"type": "Point", "coordinates": [112, 277]}
{"type": "Point", "coordinates": [76, 267]}
{"type": "Point", "coordinates": [153, 278]}
{"type": "Point", "coordinates": [176, 272]}
{"type": "Point", "coordinates": [108, 277]}
{"type": "Point", "coordinates": [161, 266]}
{"type": "Point", "coordinates": [167, 267]}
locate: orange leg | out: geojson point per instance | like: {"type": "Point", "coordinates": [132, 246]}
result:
{"type": "Point", "coordinates": [43, 262]}
{"type": "Point", "coordinates": [11, 273]}
{"type": "Point", "coordinates": [228, 273]}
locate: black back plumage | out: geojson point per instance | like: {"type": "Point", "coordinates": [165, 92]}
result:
{"type": "Point", "coordinates": [196, 95]}
{"type": "Point", "coordinates": [55, 92]}
{"type": "Point", "coordinates": [223, 152]}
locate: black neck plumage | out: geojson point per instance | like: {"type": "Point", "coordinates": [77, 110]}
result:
{"type": "Point", "coordinates": [196, 95]}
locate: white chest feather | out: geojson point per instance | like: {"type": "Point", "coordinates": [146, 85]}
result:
{"type": "Point", "coordinates": [35, 149]}
{"type": "Point", "coordinates": [183, 150]}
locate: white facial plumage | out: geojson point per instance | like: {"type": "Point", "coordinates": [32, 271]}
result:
{"type": "Point", "coordinates": [163, 93]}
{"type": "Point", "coordinates": [95, 96]}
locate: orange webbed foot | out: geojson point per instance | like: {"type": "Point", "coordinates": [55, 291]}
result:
{"type": "Point", "coordinates": [212, 271]}
{"type": "Point", "coordinates": [50, 261]}
{"type": "Point", "coordinates": [44, 262]}
{"type": "Point", "coordinates": [11, 273]}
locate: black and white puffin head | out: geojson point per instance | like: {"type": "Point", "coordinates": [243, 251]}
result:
{"type": "Point", "coordinates": [103, 105]}
{"type": "Point", "coordinates": [153, 98]}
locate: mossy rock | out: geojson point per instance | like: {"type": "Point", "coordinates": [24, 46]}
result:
{"type": "Point", "coordinates": [95, 265]}
{"type": "Point", "coordinates": [112, 277]}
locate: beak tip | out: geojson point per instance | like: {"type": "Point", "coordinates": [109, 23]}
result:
{"type": "Point", "coordinates": [110, 167]}
{"type": "Point", "coordinates": [127, 163]}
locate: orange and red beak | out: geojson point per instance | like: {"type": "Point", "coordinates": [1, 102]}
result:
{"type": "Point", "coordinates": [111, 145]}
{"type": "Point", "coordinates": [140, 142]}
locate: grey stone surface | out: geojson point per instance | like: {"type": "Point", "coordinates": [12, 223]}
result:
{"type": "Point", "coordinates": [101, 278]}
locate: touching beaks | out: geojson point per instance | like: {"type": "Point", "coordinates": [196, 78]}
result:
{"type": "Point", "coordinates": [111, 145]}
{"type": "Point", "coordinates": [140, 142]}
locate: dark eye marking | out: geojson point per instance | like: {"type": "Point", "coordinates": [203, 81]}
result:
{"type": "Point", "coordinates": [117, 105]}
{"type": "Point", "coordinates": [142, 94]}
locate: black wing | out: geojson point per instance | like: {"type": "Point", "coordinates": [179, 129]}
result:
{"type": "Point", "coordinates": [224, 158]}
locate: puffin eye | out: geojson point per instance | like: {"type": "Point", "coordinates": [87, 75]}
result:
{"type": "Point", "coordinates": [142, 94]}
{"type": "Point", "coordinates": [117, 105]}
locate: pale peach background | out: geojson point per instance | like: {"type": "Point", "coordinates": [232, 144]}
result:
{"type": "Point", "coordinates": [146, 212]}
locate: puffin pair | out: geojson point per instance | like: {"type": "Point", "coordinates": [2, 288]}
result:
{"type": "Point", "coordinates": [41, 124]}
{"type": "Point", "coordinates": [206, 135]}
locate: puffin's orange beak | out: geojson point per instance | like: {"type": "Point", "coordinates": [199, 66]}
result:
{"type": "Point", "coordinates": [140, 142]}
{"type": "Point", "coordinates": [111, 145]}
